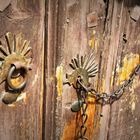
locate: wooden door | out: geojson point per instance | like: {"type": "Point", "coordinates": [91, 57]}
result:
{"type": "Point", "coordinates": [59, 30]}
{"type": "Point", "coordinates": [22, 120]}
{"type": "Point", "coordinates": [111, 28]}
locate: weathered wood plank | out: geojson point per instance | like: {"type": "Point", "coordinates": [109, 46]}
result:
{"type": "Point", "coordinates": [23, 120]}
{"type": "Point", "coordinates": [68, 35]}
{"type": "Point", "coordinates": [124, 117]}
{"type": "Point", "coordinates": [51, 16]}
{"type": "Point", "coordinates": [72, 37]}
{"type": "Point", "coordinates": [113, 124]}
{"type": "Point", "coordinates": [111, 46]}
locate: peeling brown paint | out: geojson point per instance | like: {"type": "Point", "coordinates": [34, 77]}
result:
{"type": "Point", "coordinates": [93, 42]}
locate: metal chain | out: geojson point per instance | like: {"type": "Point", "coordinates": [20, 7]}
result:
{"type": "Point", "coordinates": [110, 98]}
{"type": "Point", "coordinates": [105, 98]}
{"type": "Point", "coordinates": [82, 95]}
{"type": "Point", "coordinates": [83, 128]}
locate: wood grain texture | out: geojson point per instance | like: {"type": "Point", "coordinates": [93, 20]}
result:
{"type": "Point", "coordinates": [23, 120]}
{"type": "Point", "coordinates": [115, 123]}
{"type": "Point", "coordinates": [124, 118]}
{"type": "Point", "coordinates": [75, 42]}
{"type": "Point", "coordinates": [68, 36]}
{"type": "Point", "coordinates": [72, 34]}
{"type": "Point", "coordinates": [51, 14]}
{"type": "Point", "coordinates": [45, 115]}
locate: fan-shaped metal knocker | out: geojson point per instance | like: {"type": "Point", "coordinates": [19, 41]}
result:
{"type": "Point", "coordinates": [15, 58]}
{"type": "Point", "coordinates": [85, 67]}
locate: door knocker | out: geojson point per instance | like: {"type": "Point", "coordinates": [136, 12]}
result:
{"type": "Point", "coordinates": [85, 67]}
{"type": "Point", "coordinates": [15, 58]}
{"type": "Point", "coordinates": [10, 75]}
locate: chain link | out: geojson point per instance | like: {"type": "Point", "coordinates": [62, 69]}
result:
{"type": "Point", "coordinates": [83, 128]}
{"type": "Point", "coordinates": [82, 95]}
{"type": "Point", "coordinates": [105, 98]}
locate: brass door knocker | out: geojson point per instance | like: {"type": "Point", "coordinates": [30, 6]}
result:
{"type": "Point", "coordinates": [10, 76]}
{"type": "Point", "coordinates": [15, 58]}
{"type": "Point", "coordinates": [85, 67]}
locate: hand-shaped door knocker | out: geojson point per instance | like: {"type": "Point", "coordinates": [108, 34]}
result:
{"type": "Point", "coordinates": [15, 58]}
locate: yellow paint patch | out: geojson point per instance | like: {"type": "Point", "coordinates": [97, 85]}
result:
{"type": "Point", "coordinates": [59, 77]}
{"type": "Point", "coordinates": [93, 42]}
{"type": "Point", "coordinates": [17, 81]}
{"type": "Point", "coordinates": [129, 63]}
{"type": "Point", "coordinates": [90, 98]}
{"type": "Point", "coordinates": [103, 85]}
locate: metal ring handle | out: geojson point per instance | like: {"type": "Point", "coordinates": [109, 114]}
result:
{"type": "Point", "coordinates": [9, 77]}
